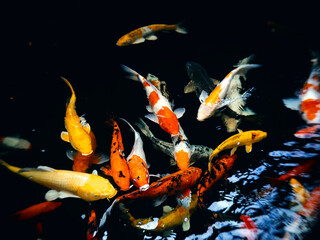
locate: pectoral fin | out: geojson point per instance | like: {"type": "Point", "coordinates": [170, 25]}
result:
{"type": "Point", "coordinates": [248, 148]}
{"type": "Point", "coordinates": [179, 112]}
{"type": "Point", "coordinates": [151, 37]}
{"type": "Point", "coordinates": [233, 150]}
{"type": "Point", "coordinates": [107, 170]}
{"type": "Point", "coordinates": [139, 40]}
{"type": "Point", "coordinates": [52, 195]}
{"type": "Point", "coordinates": [203, 96]}
{"type": "Point", "coordinates": [65, 136]}
{"type": "Point", "coordinates": [87, 128]}
{"type": "Point", "coordinates": [186, 225]}
{"type": "Point", "coordinates": [152, 117]}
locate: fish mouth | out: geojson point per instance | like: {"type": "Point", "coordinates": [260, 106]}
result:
{"type": "Point", "coordinates": [144, 187]}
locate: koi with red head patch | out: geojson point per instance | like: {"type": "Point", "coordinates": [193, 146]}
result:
{"type": "Point", "coordinates": [159, 105]}
{"type": "Point", "coordinates": [218, 170]}
{"type": "Point", "coordinates": [119, 169]}
{"type": "Point", "coordinates": [308, 102]}
{"type": "Point", "coordinates": [303, 168]}
{"type": "Point", "coordinates": [137, 163]}
{"type": "Point", "coordinates": [216, 99]}
{"type": "Point", "coordinates": [141, 34]}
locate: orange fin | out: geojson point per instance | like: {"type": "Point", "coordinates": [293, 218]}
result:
{"type": "Point", "coordinates": [65, 136]}
{"type": "Point", "coordinates": [107, 170]}
{"type": "Point", "coordinates": [87, 128]}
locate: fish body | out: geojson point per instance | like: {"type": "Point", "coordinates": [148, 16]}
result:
{"type": "Point", "coordinates": [301, 194]}
{"type": "Point", "coordinates": [216, 99]}
{"type": "Point", "coordinates": [218, 169]}
{"type": "Point", "coordinates": [240, 139]}
{"type": "Point", "coordinates": [137, 163]}
{"type": "Point", "coordinates": [312, 204]}
{"type": "Point", "coordinates": [36, 211]}
{"type": "Point", "coordinates": [77, 128]}
{"type": "Point", "coordinates": [89, 187]}
{"type": "Point", "coordinates": [309, 132]}
{"type": "Point", "coordinates": [308, 101]}
{"type": "Point", "coordinates": [171, 219]}
{"type": "Point", "coordinates": [148, 32]}
{"type": "Point", "coordinates": [15, 142]}
{"type": "Point", "coordinates": [159, 105]}
{"type": "Point", "coordinates": [119, 169]}
{"type": "Point", "coordinates": [182, 149]}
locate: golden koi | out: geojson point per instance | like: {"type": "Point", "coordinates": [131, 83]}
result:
{"type": "Point", "coordinates": [240, 139]}
{"type": "Point", "coordinates": [77, 128]}
{"type": "Point", "coordinates": [216, 99]}
{"type": "Point", "coordinates": [89, 187]}
{"type": "Point", "coordinates": [171, 218]}
{"type": "Point", "coordinates": [159, 105]}
{"type": "Point", "coordinates": [301, 194]}
{"type": "Point", "coordinates": [148, 32]}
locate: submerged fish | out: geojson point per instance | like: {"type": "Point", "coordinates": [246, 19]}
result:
{"type": "Point", "coordinates": [198, 152]}
{"type": "Point", "coordinates": [159, 105]}
{"type": "Point", "coordinates": [15, 142]}
{"type": "Point", "coordinates": [300, 193]}
{"type": "Point", "coordinates": [171, 218]}
{"type": "Point", "coordinates": [137, 163]}
{"type": "Point", "coordinates": [309, 132]}
{"type": "Point", "coordinates": [77, 128]}
{"type": "Point", "coordinates": [241, 139]}
{"type": "Point", "coordinates": [148, 32]}
{"type": "Point", "coordinates": [89, 187]}
{"type": "Point", "coordinates": [308, 101]}
{"type": "Point", "coordinates": [217, 98]}
{"type": "Point", "coordinates": [218, 169]}
{"type": "Point", "coordinates": [312, 204]}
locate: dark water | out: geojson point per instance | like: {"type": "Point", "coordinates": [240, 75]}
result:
{"type": "Point", "coordinates": [77, 41]}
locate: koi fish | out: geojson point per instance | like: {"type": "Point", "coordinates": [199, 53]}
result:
{"type": "Point", "coordinates": [250, 225]}
{"type": "Point", "coordinates": [217, 98]}
{"type": "Point", "coordinates": [218, 170]}
{"type": "Point", "coordinates": [171, 218]}
{"type": "Point", "coordinates": [81, 162]}
{"type": "Point", "coordinates": [198, 152]}
{"type": "Point", "coordinates": [137, 163]}
{"type": "Point", "coordinates": [36, 211]}
{"type": "Point", "coordinates": [15, 142]}
{"type": "Point", "coordinates": [240, 139]}
{"type": "Point", "coordinates": [77, 128]}
{"type": "Point", "coordinates": [312, 205]}
{"type": "Point", "coordinates": [184, 198]}
{"type": "Point", "coordinates": [296, 171]}
{"type": "Point", "coordinates": [308, 101]}
{"type": "Point", "coordinates": [118, 169]}
{"type": "Point", "coordinates": [182, 149]}
{"type": "Point", "coordinates": [92, 226]}
{"type": "Point", "coordinates": [159, 105]}
{"type": "Point", "coordinates": [148, 32]}
{"type": "Point", "coordinates": [309, 132]}
{"type": "Point", "coordinates": [301, 194]}
{"type": "Point", "coordinates": [89, 187]}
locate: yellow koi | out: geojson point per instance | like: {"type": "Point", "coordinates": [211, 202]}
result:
{"type": "Point", "coordinates": [77, 128]}
{"type": "Point", "coordinates": [301, 194]}
{"type": "Point", "coordinates": [89, 187]}
{"type": "Point", "coordinates": [240, 139]}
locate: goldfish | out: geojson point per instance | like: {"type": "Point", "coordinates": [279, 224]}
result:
{"type": "Point", "coordinates": [301, 194]}
{"type": "Point", "coordinates": [36, 210]}
{"type": "Point", "coordinates": [15, 142]}
{"type": "Point", "coordinates": [148, 32]}
{"type": "Point", "coordinates": [240, 139]}
{"type": "Point", "coordinates": [119, 169]}
{"type": "Point", "coordinates": [89, 187]}
{"type": "Point", "coordinates": [159, 105]}
{"type": "Point", "coordinates": [308, 101]}
{"type": "Point", "coordinates": [198, 152]}
{"type": "Point", "coordinates": [77, 128]}
{"type": "Point", "coordinates": [137, 162]}
{"type": "Point", "coordinates": [296, 171]}
{"type": "Point", "coordinates": [171, 218]}
{"type": "Point", "coordinates": [217, 98]}
{"type": "Point", "coordinates": [209, 178]}
{"type": "Point", "coordinates": [309, 132]}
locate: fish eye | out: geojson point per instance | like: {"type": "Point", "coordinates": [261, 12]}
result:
{"type": "Point", "coordinates": [254, 135]}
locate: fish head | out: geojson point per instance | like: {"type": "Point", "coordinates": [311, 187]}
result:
{"type": "Point", "coordinates": [124, 41]}
{"type": "Point", "coordinates": [204, 112]}
{"type": "Point", "coordinates": [258, 135]}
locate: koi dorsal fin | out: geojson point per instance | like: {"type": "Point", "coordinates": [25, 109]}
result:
{"type": "Point", "coordinates": [239, 130]}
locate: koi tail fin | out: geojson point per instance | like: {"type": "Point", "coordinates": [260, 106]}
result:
{"type": "Point", "coordinates": [181, 29]}
{"type": "Point", "coordinates": [144, 128]}
{"type": "Point", "coordinates": [73, 97]}
{"type": "Point", "coordinates": [133, 75]}
{"type": "Point", "coordinates": [9, 167]}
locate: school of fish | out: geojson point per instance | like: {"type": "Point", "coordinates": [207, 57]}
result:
{"type": "Point", "coordinates": [125, 179]}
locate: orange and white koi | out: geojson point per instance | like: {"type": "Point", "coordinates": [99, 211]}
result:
{"type": "Point", "coordinates": [89, 187]}
{"type": "Point", "coordinates": [15, 142]}
{"type": "Point", "coordinates": [218, 170]}
{"type": "Point", "coordinates": [159, 105]}
{"type": "Point", "coordinates": [216, 99]}
{"type": "Point", "coordinates": [160, 85]}
{"type": "Point", "coordinates": [309, 132]}
{"type": "Point", "coordinates": [137, 163]}
{"type": "Point", "coordinates": [148, 32]}
{"type": "Point", "coordinates": [240, 139]}
{"type": "Point", "coordinates": [182, 149]}
{"type": "Point", "coordinates": [119, 169]}
{"type": "Point", "coordinates": [77, 128]}
{"type": "Point", "coordinates": [308, 102]}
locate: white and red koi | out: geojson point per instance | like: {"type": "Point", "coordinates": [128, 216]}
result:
{"type": "Point", "coordinates": [159, 105]}
{"type": "Point", "coordinates": [216, 99]}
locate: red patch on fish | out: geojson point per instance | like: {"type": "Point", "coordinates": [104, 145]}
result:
{"type": "Point", "coordinates": [307, 86]}
{"type": "Point", "coordinates": [182, 159]}
{"type": "Point", "coordinates": [145, 84]}
{"type": "Point", "coordinates": [168, 121]}
{"type": "Point", "coordinates": [310, 107]}
{"type": "Point", "coordinates": [153, 98]}
{"type": "Point", "coordinates": [138, 171]}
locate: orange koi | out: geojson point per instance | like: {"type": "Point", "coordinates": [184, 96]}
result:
{"type": "Point", "coordinates": [159, 105]}
{"type": "Point", "coordinates": [312, 204]}
{"type": "Point", "coordinates": [77, 128]}
{"type": "Point", "coordinates": [148, 32]}
{"type": "Point", "coordinates": [137, 163]}
{"type": "Point", "coordinates": [218, 170]}
{"type": "Point", "coordinates": [216, 99]}
{"type": "Point", "coordinates": [119, 169]}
